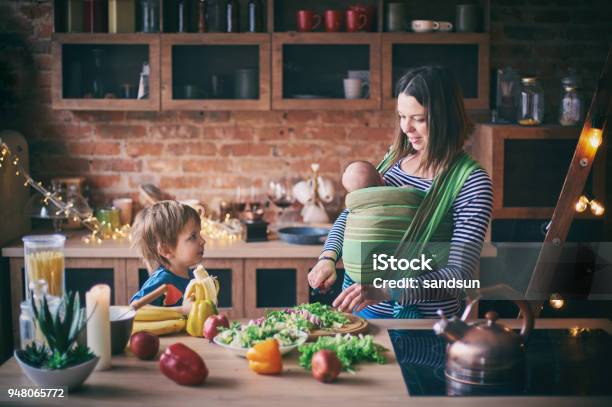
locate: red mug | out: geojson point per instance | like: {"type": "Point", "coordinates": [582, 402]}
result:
{"type": "Point", "coordinates": [370, 13]}
{"type": "Point", "coordinates": [334, 20]}
{"type": "Point", "coordinates": [307, 20]}
{"type": "Point", "coordinates": [355, 21]}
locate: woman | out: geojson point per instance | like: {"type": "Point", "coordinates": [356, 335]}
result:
{"type": "Point", "coordinates": [433, 130]}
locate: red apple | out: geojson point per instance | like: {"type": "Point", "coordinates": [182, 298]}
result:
{"type": "Point", "coordinates": [212, 324]}
{"type": "Point", "coordinates": [325, 366]}
{"type": "Point", "coordinates": [144, 345]}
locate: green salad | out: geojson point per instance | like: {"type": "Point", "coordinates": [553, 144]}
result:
{"type": "Point", "coordinates": [350, 349]}
{"type": "Point", "coordinates": [245, 336]}
{"type": "Point", "coordinates": [287, 326]}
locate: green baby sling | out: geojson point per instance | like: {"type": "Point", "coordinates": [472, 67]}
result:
{"type": "Point", "coordinates": [404, 222]}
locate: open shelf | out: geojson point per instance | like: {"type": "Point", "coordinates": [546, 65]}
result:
{"type": "Point", "coordinates": [92, 71]}
{"type": "Point", "coordinates": [466, 55]}
{"type": "Point", "coordinates": [302, 81]}
{"type": "Point", "coordinates": [215, 71]}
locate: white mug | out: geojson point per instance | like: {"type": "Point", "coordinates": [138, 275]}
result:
{"type": "Point", "coordinates": [353, 88]}
{"type": "Point", "coordinates": [445, 26]}
{"type": "Point", "coordinates": [423, 26]}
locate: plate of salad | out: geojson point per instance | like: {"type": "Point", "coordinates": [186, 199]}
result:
{"type": "Point", "coordinates": [238, 338]}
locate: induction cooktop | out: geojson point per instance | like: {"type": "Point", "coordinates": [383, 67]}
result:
{"type": "Point", "coordinates": [559, 362]}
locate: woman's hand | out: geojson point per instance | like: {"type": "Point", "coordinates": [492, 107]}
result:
{"type": "Point", "coordinates": [359, 296]}
{"type": "Point", "coordinates": [322, 275]}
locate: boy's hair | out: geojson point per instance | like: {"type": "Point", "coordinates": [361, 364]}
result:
{"type": "Point", "coordinates": [158, 224]}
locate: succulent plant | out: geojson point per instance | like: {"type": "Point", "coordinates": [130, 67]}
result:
{"type": "Point", "coordinates": [61, 329]}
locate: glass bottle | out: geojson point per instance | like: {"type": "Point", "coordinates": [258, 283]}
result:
{"type": "Point", "coordinates": [149, 14]}
{"type": "Point", "coordinates": [232, 11]}
{"type": "Point", "coordinates": [186, 15]}
{"type": "Point", "coordinates": [531, 103]}
{"type": "Point", "coordinates": [571, 108]}
{"type": "Point", "coordinates": [215, 16]}
{"type": "Point", "coordinates": [202, 10]}
{"type": "Point", "coordinates": [27, 328]}
{"type": "Point", "coordinates": [98, 87]}
{"type": "Point", "coordinates": [255, 16]}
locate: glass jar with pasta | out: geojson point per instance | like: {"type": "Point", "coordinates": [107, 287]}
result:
{"type": "Point", "coordinates": [44, 260]}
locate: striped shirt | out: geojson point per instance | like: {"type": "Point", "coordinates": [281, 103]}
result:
{"type": "Point", "coordinates": [471, 215]}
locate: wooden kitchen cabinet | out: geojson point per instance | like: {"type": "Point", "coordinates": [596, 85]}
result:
{"type": "Point", "coordinates": [465, 54]}
{"type": "Point", "coordinates": [93, 71]}
{"type": "Point", "coordinates": [295, 70]}
{"type": "Point", "coordinates": [308, 70]}
{"type": "Point", "coordinates": [202, 71]}
{"type": "Point", "coordinates": [264, 277]}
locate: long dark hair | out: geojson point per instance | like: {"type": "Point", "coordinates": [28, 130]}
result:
{"type": "Point", "coordinates": [435, 88]}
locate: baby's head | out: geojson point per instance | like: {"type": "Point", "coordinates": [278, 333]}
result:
{"type": "Point", "coordinates": [164, 232]}
{"type": "Point", "coordinates": [360, 174]}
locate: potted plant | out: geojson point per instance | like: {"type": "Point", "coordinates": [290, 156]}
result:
{"type": "Point", "coordinates": [60, 362]}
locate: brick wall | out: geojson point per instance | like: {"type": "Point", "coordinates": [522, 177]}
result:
{"type": "Point", "coordinates": [206, 155]}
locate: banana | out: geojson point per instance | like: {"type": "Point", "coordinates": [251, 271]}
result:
{"type": "Point", "coordinates": [203, 286]}
{"type": "Point", "coordinates": [160, 327]}
{"type": "Point", "coordinates": [153, 313]}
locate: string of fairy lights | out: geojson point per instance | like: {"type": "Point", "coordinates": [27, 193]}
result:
{"type": "Point", "coordinates": [228, 230]}
{"type": "Point", "coordinates": [100, 230]}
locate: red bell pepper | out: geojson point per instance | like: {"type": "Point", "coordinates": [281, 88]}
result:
{"type": "Point", "coordinates": [182, 365]}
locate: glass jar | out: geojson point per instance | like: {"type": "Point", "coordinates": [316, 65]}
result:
{"type": "Point", "coordinates": [531, 102]}
{"type": "Point", "coordinates": [98, 85]}
{"type": "Point", "coordinates": [44, 260]}
{"type": "Point", "coordinates": [216, 16]}
{"type": "Point", "coordinates": [571, 108]}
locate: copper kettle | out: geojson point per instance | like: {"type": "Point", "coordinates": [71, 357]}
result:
{"type": "Point", "coordinates": [485, 353]}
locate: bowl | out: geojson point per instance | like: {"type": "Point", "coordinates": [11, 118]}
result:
{"type": "Point", "coordinates": [302, 234]}
{"type": "Point", "coordinates": [122, 320]}
{"type": "Point", "coordinates": [240, 351]}
{"type": "Point", "coordinates": [72, 377]}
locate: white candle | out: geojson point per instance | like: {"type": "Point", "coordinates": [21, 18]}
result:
{"type": "Point", "coordinates": [98, 325]}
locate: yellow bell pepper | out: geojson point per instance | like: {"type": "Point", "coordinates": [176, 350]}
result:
{"type": "Point", "coordinates": [265, 357]}
{"type": "Point", "coordinates": [200, 311]}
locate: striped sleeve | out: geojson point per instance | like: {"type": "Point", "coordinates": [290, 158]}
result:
{"type": "Point", "coordinates": [471, 215]}
{"type": "Point", "coordinates": [335, 238]}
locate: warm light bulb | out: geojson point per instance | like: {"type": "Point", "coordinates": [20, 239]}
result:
{"type": "Point", "coordinates": [597, 208]}
{"type": "Point", "coordinates": [582, 204]}
{"type": "Point", "coordinates": [595, 138]}
{"type": "Point", "coordinates": [556, 301]}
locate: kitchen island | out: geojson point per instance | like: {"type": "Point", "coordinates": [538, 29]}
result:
{"type": "Point", "coordinates": [241, 265]}
{"type": "Point", "coordinates": [231, 383]}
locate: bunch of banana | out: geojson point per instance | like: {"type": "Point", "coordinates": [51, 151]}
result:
{"type": "Point", "coordinates": [169, 326]}
{"type": "Point", "coordinates": [203, 286]}
{"type": "Point", "coordinates": [158, 320]}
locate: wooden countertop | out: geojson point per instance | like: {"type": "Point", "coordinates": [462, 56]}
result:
{"type": "Point", "coordinates": [231, 383]}
{"type": "Point", "coordinates": [76, 248]}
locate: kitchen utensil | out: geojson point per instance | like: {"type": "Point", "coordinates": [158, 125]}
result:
{"type": "Point", "coordinates": [144, 300]}
{"type": "Point", "coordinates": [121, 320]}
{"type": "Point", "coordinates": [356, 325]}
{"type": "Point", "coordinates": [302, 234]}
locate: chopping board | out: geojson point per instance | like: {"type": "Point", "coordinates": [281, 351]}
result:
{"type": "Point", "coordinates": [356, 325]}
